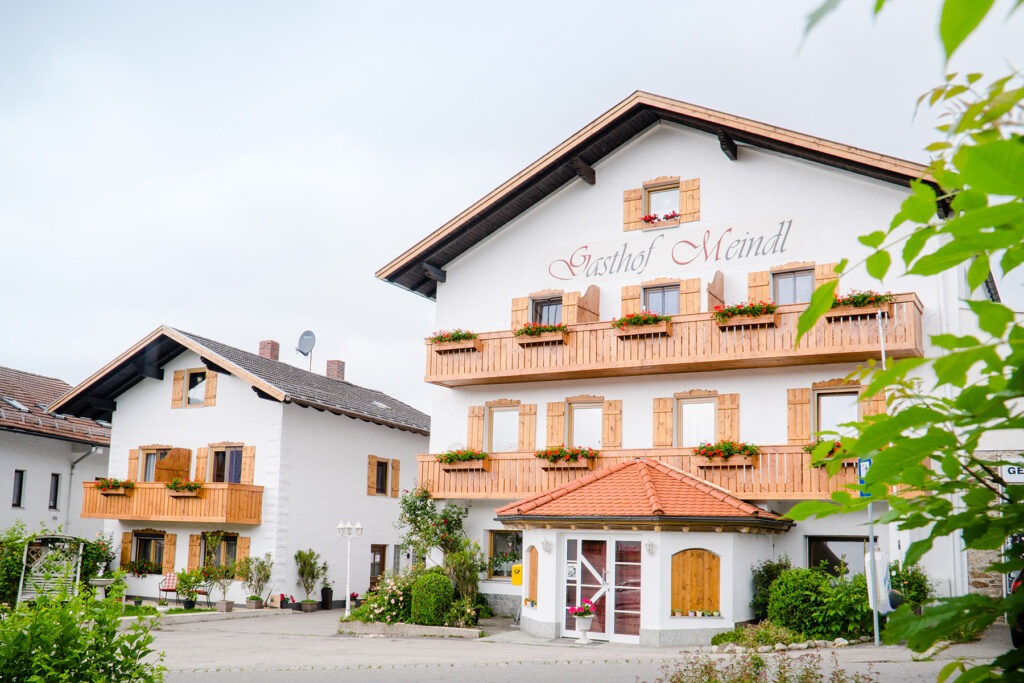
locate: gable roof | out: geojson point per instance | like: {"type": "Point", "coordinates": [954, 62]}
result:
{"type": "Point", "coordinates": [574, 157]}
{"type": "Point", "coordinates": [641, 491]}
{"type": "Point", "coordinates": [30, 390]}
{"type": "Point", "coordinates": [268, 378]}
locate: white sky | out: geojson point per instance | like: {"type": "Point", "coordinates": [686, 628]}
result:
{"type": "Point", "coordinates": [239, 169]}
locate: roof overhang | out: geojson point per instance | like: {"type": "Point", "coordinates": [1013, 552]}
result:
{"type": "Point", "coordinates": [418, 268]}
{"type": "Point", "coordinates": [741, 525]}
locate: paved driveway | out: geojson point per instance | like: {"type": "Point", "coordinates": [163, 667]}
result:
{"type": "Point", "coordinates": [305, 648]}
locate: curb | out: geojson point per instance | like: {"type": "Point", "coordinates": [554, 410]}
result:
{"type": "Point", "coordinates": [357, 628]}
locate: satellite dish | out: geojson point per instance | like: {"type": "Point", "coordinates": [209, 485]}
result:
{"type": "Point", "coordinates": [307, 340]}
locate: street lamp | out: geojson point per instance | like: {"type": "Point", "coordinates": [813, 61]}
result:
{"type": "Point", "coordinates": [348, 530]}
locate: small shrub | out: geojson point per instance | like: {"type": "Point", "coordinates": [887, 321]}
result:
{"type": "Point", "coordinates": [765, 574]}
{"type": "Point", "coordinates": [796, 598]}
{"type": "Point", "coordinates": [753, 668]}
{"type": "Point", "coordinates": [765, 633]}
{"type": "Point", "coordinates": [461, 614]}
{"type": "Point", "coordinates": [483, 608]}
{"type": "Point", "coordinates": [463, 567]}
{"type": "Point", "coordinates": [910, 583]}
{"type": "Point", "coordinates": [392, 600]}
{"type": "Point", "coordinates": [432, 596]}
{"type": "Point", "coordinates": [846, 613]}
{"type": "Point", "coordinates": [309, 569]}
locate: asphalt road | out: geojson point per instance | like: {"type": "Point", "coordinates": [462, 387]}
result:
{"type": "Point", "coordinates": [304, 648]}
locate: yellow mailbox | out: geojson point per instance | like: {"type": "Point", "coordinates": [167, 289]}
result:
{"type": "Point", "coordinates": [517, 575]}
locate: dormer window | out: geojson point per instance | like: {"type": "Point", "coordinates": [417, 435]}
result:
{"type": "Point", "coordinates": [194, 388]}
{"type": "Point", "coordinates": [662, 200]}
{"type": "Point", "coordinates": [14, 403]}
{"type": "Point", "coordinates": [547, 311]}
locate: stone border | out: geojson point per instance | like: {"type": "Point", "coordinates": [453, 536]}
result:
{"type": "Point", "coordinates": [162, 619]}
{"type": "Point", "coordinates": [358, 628]}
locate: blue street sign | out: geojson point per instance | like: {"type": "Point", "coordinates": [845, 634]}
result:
{"type": "Point", "coordinates": [863, 465]}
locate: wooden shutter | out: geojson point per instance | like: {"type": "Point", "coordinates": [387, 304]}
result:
{"type": "Point", "coordinates": [874, 405]}
{"type": "Point", "coordinates": [178, 389]}
{"type": "Point", "coordinates": [556, 424]}
{"type": "Point", "coordinates": [248, 465]}
{"type": "Point", "coordinates": [759, 286]}
{"type": "Point", "coordinates": [126, 548]}
{"type": "Point", "coordinates": [633, 209]}
{"type": "Point", "coordinates": [611, 418]}
{"type": "Point", "coordinates": [170, 543]}
{"type": "Point", "coordinates": [528, 427]}
{"type": "Point", "coordinates": [630, 299]}
{"type": "Point", "coordinates": [663, 413]}
{"type": "Point", "coordinates": [589, 308]}
{"type": "Point", "coordinates": [531, 567]}
{"type": "Point", "coordinates": [241, 552]}
{"type": "Point", "coordinates": [133, 464]}
{"type": "Point", "coordinates": [824, 272]}
{"type": "Point", "coordinates": [716, 291]}
{"type": "Point", "coordinates": [689, 295]}
{"type": "Point", "coordinates": [175, 464]}
{"type": "Point", "coordinates": [201, 464]}
{"type": "Point", "coordinates": [395, 466]}
{"type": "Point", "coordinates": [210, 397]}
{"type": "Point", "coordinates": [520, 311]}
{"type": "Point", "coordinates": [798, 415]}
{"type": "Point", "coordinates": [689, 200]}
{"type": "Point", "coordinates": [195, 547]}
{"type": "Point", "coordinates": [696, 580]}
{"type": "Point", "coordinates": [727, 417]}
{"type": "Point", "coordinates": [371, 475]}
{"type": "Point", "coordinates": [475, 430]}
{"type": "Point", "coordinates": [571, 308]}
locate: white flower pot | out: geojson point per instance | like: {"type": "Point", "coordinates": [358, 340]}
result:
{"type": "Point", "coordinates": [583, 625]}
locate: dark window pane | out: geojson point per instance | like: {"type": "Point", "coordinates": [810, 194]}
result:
{"type": "Point", "coordinates": [219, 465]}
{"type": "Point", "coordinates": [19, 488]}
{"type": "Point", "coordinates": [196, 388]}
{"type": "Point", "coordinates": [627, 575]}
{"type": "Point", "coordinates": [835, 551]}
{"type": "Point", "coordinates": [382, 476]}
{"type": "Point", "coordinates": [627, 599]}
{"type": "Point", "coordinates": [54, 490]}
{"type": "Point", "coordinates": [627, 551]}
{"type": "Point", "coordinates": [627, 624]}
{"type": "Point", "coordinates": [547, 311]}
{"type": "Point", "coordinates": [235, 466]}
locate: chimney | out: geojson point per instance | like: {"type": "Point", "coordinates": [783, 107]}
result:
{"type": "Point", "coordinates": [270, 349]}
{"type": "Point", "coordinates": [336, 370]}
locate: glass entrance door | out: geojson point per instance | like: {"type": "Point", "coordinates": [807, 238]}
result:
{"type": "Point", "coordinates": [608, 574]}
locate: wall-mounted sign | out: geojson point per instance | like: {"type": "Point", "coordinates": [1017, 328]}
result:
{"type": "Point", "coordinates": [1013, 474]}
{"type": "Point", "coordinates": [671, 252]}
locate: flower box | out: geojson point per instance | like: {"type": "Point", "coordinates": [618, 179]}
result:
{"type": "Point", "coordinates": [858, 312]}
{"type": "Point", "coordinates": [467, 466]}
{"type": "Point", "coordinates": [543, 338]}
{"type": "Point", "coordinates": [766, 320]}
{"type": "Point", "coordinates": [462, 345]}
{"type": "Point", "coordinates": [182, 494]}
{"type": "Point", "coordinates": [581, 464]}
{"type": "Point", "coordinates": [114, 492]}
{"type": "Point", "coordinates": [663, 328]}
{"type": "Point", "coordinates": [734, 461]}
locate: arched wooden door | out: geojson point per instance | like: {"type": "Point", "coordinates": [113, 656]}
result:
{"type": "Point", "coordinates": [696, 580]}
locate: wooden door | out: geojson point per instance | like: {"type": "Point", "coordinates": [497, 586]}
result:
{"type": "Point", "coordinates": [695, 580]}
{"type": "Point", "coordinates": [378, 555]}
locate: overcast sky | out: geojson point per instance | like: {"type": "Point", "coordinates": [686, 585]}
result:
{"type": "Point", "coordinates": [240, 169]}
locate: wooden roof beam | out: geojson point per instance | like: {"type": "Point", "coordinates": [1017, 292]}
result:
{"type": "Point", "coordinates": [150, 370]}
{"type": "Point", "coordinates": [728, 145]}
{"type": "Point", "coordinates": [434, 273]}
{"type": "Point", "coordinates": [583, 170]}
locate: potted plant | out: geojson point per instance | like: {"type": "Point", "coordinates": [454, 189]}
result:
{"type": "Point", "coordinates": [444, 341]}
{"type": "Point", "coordinates": [535, 333]}
{"type": "Point", "coordinates": [720, 451]}
{"type": "Point", "coordinates": [183, 488]}
{"type": "Point", "coordinates": [463, 459]}
{"type": "Point", "coordinates": [326, 589]}
{"type": "Point", "coordinates": [255, 573]}
{"type": "Point", "coordinates": [112, 486]}
{"type": "Point", "coordinates": [746, 314]}
{"type": "Point", "coordinates": [217, 572]}
{"type": "Point", "coordinates": [310, 571]}
{"type": "Point", "coordinates": [642, 324]}
{"type": "Point", "coordinates": [189, 582]}
{"type": "Point", "coordinates": [584, 614]}
{"type": "Point", "coordinates": [573, 457]}
{"type": "Point", "coordinates": [860, 303]}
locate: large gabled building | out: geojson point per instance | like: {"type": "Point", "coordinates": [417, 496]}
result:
{"type": "Point", "coordinates": [666, 207]}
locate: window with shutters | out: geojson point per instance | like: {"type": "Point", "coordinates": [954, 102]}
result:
{"type": "Point", "coordinates": [225, 552]}
{"type": "Point", "coordinates": [502, 426]}
{"type": "Point", "coordinates": [585, 425]}
{"type": "Point", "coordinates": [662, 300]}
{"type": "Point", "coordinates": [195, 393]}
{"type": "Point", "coordinates": [382, 476]}
{"type": "Point", "coordinates": [226, 465]}
{"type": "Point", "coordinates": [149, 546]}
{"type": "Point", "coordinates": [150, 459]}
{"type": "Point", "coordinates": [194, 388]}
{"type": "Point", "coordinates": [584, 420]}
{"type": "Point", "coordinates": [663, 202]}
{"type": "Point", "coordinates": [695, 421]}
{"type": "Point", "coordinates": [661, 199]}
{"type": "Point", "coordinates": [793, 287]}
{"type": "Point", "coordinates": [546, 311]}
{"type": "Point", "coordinates": [164, 463]}
{"type": "Point", "coordinates": [834, 408]}
{"type": "Point", "coordinates": [826, 405]}
{"type": "Point", "coordinates": [502, 429]}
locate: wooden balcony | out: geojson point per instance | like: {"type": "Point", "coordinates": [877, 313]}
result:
{"type": "Point", "coordinates": [152, 501]}
{"type": "Point", "coordinates": [778, 473]}
{"type": "Point", "coordinates": [694, 343]}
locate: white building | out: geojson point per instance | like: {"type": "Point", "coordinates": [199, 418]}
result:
{"type": "Point", "coordinates": [746, 212]}
{"type": "Point", "coordinates": [44, 456]}
{"type": "Point", "coordinates": [284, 454]}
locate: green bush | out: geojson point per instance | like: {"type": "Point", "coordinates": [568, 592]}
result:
{"type": "Point", "coordinates": [765, 574]}
{"type": "Point", "coordinates": [462, 614]}
{"type": "Point", "coordinates": [463, 567]}
{"type": "Point", "coordinates": [392, 600]}
{"type": "Point", "coordinates": [12, 549]}
{"type": "Point", "coordinates": [911, 584]}
{"type": "Point", "coordinates": [796, 598]}
{"type": "Point", "coordinates": [755, 635]}
{"type": "Point", "coordinates": [75, 639]}
{"type": "Point", "coordinates": [432, 596]}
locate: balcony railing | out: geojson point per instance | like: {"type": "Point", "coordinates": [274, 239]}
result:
{"type": "Point", "coordinates": [152, 501]}
{"type": "Point", "coordinates": [694, 343]}
{"type": "Point", "coordinates": [778, 473]}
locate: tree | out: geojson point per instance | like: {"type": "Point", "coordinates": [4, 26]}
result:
{"type": "Point", "coordinates": [967, 212]}
{"type": "Point", "coordinates": [424, 527]}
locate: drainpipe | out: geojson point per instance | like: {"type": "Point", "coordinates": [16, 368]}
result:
{"type": "Point", "coordinates": [71, 486]}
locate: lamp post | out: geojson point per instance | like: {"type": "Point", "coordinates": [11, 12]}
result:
{"type": "Point", "coordinates": [348, 530]}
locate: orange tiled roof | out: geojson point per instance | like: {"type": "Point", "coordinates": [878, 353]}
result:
{"type": "Point", "coordinates": [29, 390]}
{"type": "Point", "coordinates": [639, 488]}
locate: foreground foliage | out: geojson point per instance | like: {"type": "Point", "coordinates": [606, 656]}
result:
{"type": "Point", "coordinates": [968, 217]}
{"type": "Point", "coordinates": [752, 668]}
{"type": "Point", "coordinates": [755, 635]}
{"type": "Point", "coordinates": [71, 639]}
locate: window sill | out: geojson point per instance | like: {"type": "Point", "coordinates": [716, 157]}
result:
{"type": "Point", "coordinates": [660, 224]}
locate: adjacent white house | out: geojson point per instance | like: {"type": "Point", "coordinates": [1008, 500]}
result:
{"type": "Point", "coordinates": [284, 455]}
{"type": "Point", "coordinates": [45, 455]}
{"type": "Point", "coordinates": [663, 206]}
